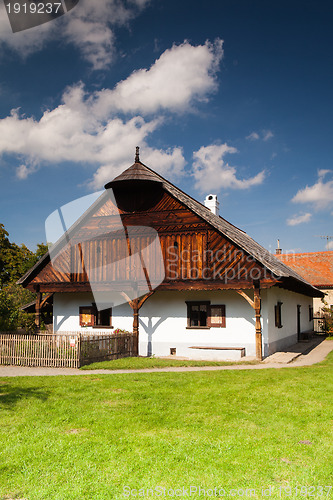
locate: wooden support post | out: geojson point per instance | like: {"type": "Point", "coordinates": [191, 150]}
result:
{"type": "Point", "coordinates": [38, 308]}
{"type": "Point", "coordinates": [257, 310]}
{"type": "Point", "coordinates": [136, 305]}
{"type": "Point", "coordinates": [256, 305]}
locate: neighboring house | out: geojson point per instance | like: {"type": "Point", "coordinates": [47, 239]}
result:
{"type": "Point", "coordinates": [317, 269]}
{"type": "Point", "coordinates": [202, 289]}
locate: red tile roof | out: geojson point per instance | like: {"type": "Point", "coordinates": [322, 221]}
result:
{"type": "Point", "coordinates": [315, 267]}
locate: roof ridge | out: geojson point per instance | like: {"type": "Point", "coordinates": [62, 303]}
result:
{"type": "Point", "coordinates": [304, 253]}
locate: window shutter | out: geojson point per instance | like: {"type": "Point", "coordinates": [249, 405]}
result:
{"type": "Point", "coordinates": [217, 316]}
{"type": "Point", "coordinates": [87, 316]}
{"type": "Point", "coordinates": [104, 318]}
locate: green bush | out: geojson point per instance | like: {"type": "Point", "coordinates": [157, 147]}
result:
{"type": "Point", "coordinates": [12, 297]}
{"type": "Point", "coordinates": [328, 315]}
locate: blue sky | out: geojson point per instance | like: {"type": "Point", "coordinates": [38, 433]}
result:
{"type": "Point", "coordinates": [225, 97]}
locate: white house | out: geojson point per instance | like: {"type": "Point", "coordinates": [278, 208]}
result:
{"type": "Point", "coordinates": [149, 258]}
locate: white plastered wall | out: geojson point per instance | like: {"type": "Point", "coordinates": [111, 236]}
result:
{"type": "Point", "coordinates": [318, 304]}
{"type": "Point", "coordinates": [280, 338]}
{"type": "Point", "coordinates": [163, 322]}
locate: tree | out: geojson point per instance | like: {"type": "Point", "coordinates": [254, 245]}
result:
{"type": "Point", "coordinates": [15, 261]}
{"type": "Point", "coordinates": [18, 260]}
{"type": "Point", "coordinates": [42, 248]}
{"type": "Point", "coordinates": [4, 249]}
{"type": "Point", "coordinates": [12, 297]}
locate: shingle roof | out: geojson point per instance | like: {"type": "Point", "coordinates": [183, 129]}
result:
{"type": "Point", "coordinates": [315, 267]}
{"type": "Point", "coordinates": [138, 172]}
{"type": "Point", "coordinates": [236, 235]}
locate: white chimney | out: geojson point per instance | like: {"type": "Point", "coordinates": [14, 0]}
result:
{"type": "Point", "coordinates": [212, 203]}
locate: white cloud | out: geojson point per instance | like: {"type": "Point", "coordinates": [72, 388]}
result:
{"type": "Point", "coordinates": [299, 219]}
{"type": "Point", "coordinates": [329, 245]}
{"type": "Point", "coordinates": [322, 172]}
{"type": "Point", "coordinates": [95, 129]}
{"type": "Point", "coordinates": [212, 172]}
{"type": "Point", "coordinates": [265, 135]}
{"type": "Point", "coordinates": [182, 74]}
{"type": "Point", "coordinates": [320, 195]}
{"type": "Point", "coordinates": [254, 136]}
{"type": "Point", "coordinates": [88, 27]}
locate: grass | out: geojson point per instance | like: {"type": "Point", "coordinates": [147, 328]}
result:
{"type": "Point", "coordinates": [143, 362]}
{"type": "Point", "coordinates": [97, 437]}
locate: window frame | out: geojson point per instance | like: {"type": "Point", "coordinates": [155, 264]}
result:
{"type": "Point", "coordinates": [209, 324]}
{"type": "Point", "coordinates": [95, 317]}
{"type": "Point", "coordinates": [191, 303]}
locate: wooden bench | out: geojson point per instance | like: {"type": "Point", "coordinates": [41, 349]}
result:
{"type": "Point", "coordinates": [241, 349]}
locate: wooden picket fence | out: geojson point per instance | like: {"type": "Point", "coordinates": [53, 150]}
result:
{"type": "Point", "coordinates": [319, 324]}
{"type": "Point", "coordinates": [101, 347]}
{"type": "Point", "coordinates": [65, 350]}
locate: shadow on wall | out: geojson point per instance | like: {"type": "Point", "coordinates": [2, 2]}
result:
{"type": "Point", "coordinates": [150, 329]}
{"type": "Point", "coordinates": [57, 324]}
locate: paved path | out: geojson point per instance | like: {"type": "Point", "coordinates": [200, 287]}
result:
{"type": "Point", "coordinates": [316, 355]}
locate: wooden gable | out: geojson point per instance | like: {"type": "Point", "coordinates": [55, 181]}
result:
{"type": "Point", "coordinates": [195, 255]}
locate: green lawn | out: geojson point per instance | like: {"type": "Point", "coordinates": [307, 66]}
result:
{"type": "Point", "coordinates": [142, 362]}
{"type": "Point", "coordinates": [98, 437]}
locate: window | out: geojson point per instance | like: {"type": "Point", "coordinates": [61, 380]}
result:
{"type": "Point", "coordinates": [87, 316]}
{"type": "Point", "coordinates": [204, 315]}
{"type": "Point", "coordinates": [197, 313]}
{"type": "Point", "coordinates": [278, 315]}
{"type": "Point", "coordinates": [104, 318]}
{"type": "Point", "coordinates": [217, 316]}
{"type": "Point", "coordinates": [90, 316]}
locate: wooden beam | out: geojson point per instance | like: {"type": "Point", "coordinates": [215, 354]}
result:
{"type": "Point", "coordinates": [48, 287]}
{"type": "Point", "coordinates": [136, 305]}
{"type": "Point", "coordinates": [126, 297]}
{"type": "Point", "coordinates": [257, 309]}
{"type": "Point", "coordinates": [143, 300]}
{"type": "Point", "coordinates": [48, 296]}
{"type": "Point", "coordinates": [256, 305]}
{"type": "Point", "coordinates": [38, 307]}
{"type": "Point", "coordinates": [135, 308]}
{"type": "Point", "coordinates": [246, 297]}
{"type": "Point", "coordinates": [140, 302]}
{"type": "Point", "coordinates": [188, 284]}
